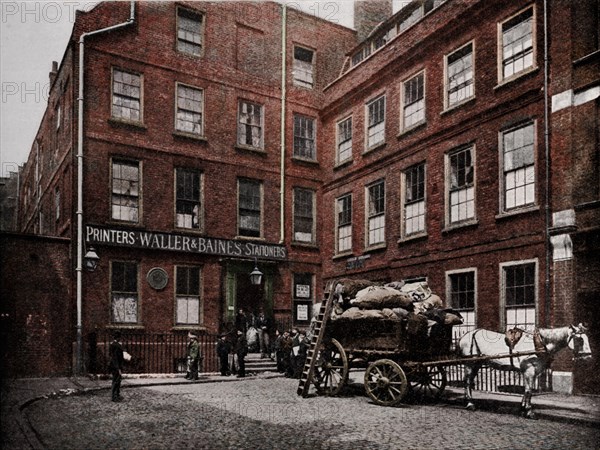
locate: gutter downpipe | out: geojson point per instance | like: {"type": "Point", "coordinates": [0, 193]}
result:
{"type": "Point", "coordinates": [548, 293]}
{"type": "Point", "coordinates": [79, 213]}
{"type": "Point", "coordinates": [282, 127]}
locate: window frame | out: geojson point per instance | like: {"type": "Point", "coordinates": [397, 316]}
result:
{"type": "Point", "coordinates": [178, 130]}
{"type": "Point", "coordinates": [338, 225]}
{"type": "Point", "coordinates": [403, 216]}
{"type": "Point", "coordinates": [112, 292]}
{"type": "Point", "coordinates": [449, 190]}
{"type": "Point", "coordinates": [126, 161]}
{"type": "Point", "coordinates": [447, 105]}
{"type": "Point", "coordinates": [140, 99]}
{"type": "Point", "coordinates": [297, 81]}
{"type": "Point", "coordinates": [500, 46]}
{"type": "Point", "coordinates": [403, 106]}
{"type": "Point", "coordinates": [504, 210]}
{"type": "Point", "coordinates": [296, 136]}
{"type": "Point", "coordinates": [338, 142]}
{"type": "Point", "coordinates": [191, 12]}
{"type": "Point", "coordinates": [459, 330]}
{"type": "Point", "coordinates": [200, 174]}
{"type": "Point", "coordinates": [502, 291]}
{"type": "Point", "coordinates": [261, 210]}
{"type": "Point", "coordinates": [313, 233]}
{"type": "Point", "coordinates": [375, 145]}
{"type": "Point", "coordinates": [369, 216]}
{"type": "Point", "coordinates": [177, 295]}
{"type": "Point", "coordinates": [261, 125]}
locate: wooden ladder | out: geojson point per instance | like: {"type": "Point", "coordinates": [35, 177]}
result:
{"type": "Point", "coordinates": [315, 344]}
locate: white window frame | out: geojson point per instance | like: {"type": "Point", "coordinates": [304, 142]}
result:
{"type": "Point", "coordinates": [303, 72]}
{"type": "Point", "coordinates": [501, 58]}
{"type": "Point", "coordinates": [244, 126]}
{"type": "Point", "coordinates": [404, 231]}
{"type": "Point", "coordinates": [372, 228]}
{"type": "Point", "coordinates": [504, 322]}
{"type": "Point", "coordinates": [130, 162]}
{"type": "Point", "coordinates": [447, 103]}
{"type": "Point", "coordinates": [200, 204]}
{"type": "Point", "coordinates": [183, 107]}
{"type": "Point", "coordinates": [465, 196]}
{"type": "Point", "coordinates": [377, 129]}
{"type": "Point", "coordinates": [261, 210]}
{"type": "Point", "coordinates": [187, 297]}
{"type": "Point", "coordinates": [178, 40]}
{"type": "Point", "coordinates": [134, 295]}
{"type": "Point", "coordinates": [295, 236]}
{"type": "Point", "coordinates": [127, 97]}
{"type": "Point", "coordinates": [404, 123]}
{"type": "Point", "coordinates": [522, 173]}
{"type": "Point", "coordinates": [57, 203]}
{"type": "Point", "coordinates": [312, 138]}
{"type": "Point", "coordinates": [469, 316]}
{"type": "Point", "coordinates": [343, 232]}
{"type": "Point", "coordinates": [343, 147]}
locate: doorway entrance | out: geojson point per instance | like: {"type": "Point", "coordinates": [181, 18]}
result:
{"type": "Point", "coordinates": [249, 297]}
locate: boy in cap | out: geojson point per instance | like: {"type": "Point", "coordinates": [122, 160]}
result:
{"type": "Point", "coordinates": [193, 350]}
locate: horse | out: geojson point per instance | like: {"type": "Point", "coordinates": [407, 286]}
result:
{"type": "Point", "coordinates": [545, 341]}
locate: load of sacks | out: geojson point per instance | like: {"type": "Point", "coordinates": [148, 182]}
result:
{"type": "Point", "coordinates": [359, 299]}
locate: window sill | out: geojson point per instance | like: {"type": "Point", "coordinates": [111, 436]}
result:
{"type": "Point", "coordinates": [188, 328]}
{"type": "Point", "coordinates": [374, 148]}
{"type": "Point", "coordinates": [345, 163]}
{"type": "Point", "coordinates": [413, 237]}
{"type": "Point", "coordinates": [124, 223]}
{"type": "Point", "coordinates": [248, 148]}
{"type": "Point", "coordinates": [303, 86]}
{"type": "Point", "coordinates": [507, 81]}
{"type": "Point", "coordinates": [195, 137]}
{"type": "Point", "coordinates": [376, 247]}
{"type": "Point", "coordinates": [342, 255]}
{"type": "Point", "coordinates": [460, 225]}
{"type": "Point", "coordinates": [516, 212]}
{"type": "Point", "coordinates": [413, 129]}
{"type": "Point", "coordinates": [456, 106]}
{"type": "Point", "coordinates": [309, 245]}
{"type": "Point", "coordinates": [250, 238]}
{"type": "Point", "coordinates": [298, 159]}
{"type": "Point", "coordinates": [124, 326]}
{"type": "Point", "coordinates": [193, 231]}
{"type": "Point", "coordinates": [127, 124]}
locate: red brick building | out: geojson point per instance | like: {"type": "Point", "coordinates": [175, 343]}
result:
{"type": "Point", "coordinates": [457, 142]}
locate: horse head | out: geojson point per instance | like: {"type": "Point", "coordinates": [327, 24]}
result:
{"type": "Point", "coordinates": [579, 342]}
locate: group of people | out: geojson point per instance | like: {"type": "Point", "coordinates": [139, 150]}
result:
{"type": "Point", "coordinates": [291, 348]}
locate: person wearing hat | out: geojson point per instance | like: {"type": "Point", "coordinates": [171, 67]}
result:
{"type": "Point", "coordinates": [223, 350]}
{"type": "Point", "coordinates": [115, 365]}
{"type": "Point", "coordinates": [241, 350]}
{"type": "Point", "coordinates": [193, 357]}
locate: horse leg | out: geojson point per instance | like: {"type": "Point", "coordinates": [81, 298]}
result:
{"type": "Point", "coordinates": [469, 382]}
{"type": "Point", "coordinates": [529, 376]}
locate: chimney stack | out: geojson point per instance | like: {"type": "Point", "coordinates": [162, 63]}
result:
{"type": "Point", "coordinates": [370, 13]}
{"type": "Point", "coordinates": [53, 72]}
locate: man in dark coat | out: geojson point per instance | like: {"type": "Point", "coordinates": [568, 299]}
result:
{"type": "Point", "coordinates": [241, 321]}
{"type": "Point", "coordinates": [115, 366]}
{"type": "Point", "coordinates": [264, 325]}
{"type": "Point", "coordinates": [285, 347]}
{"type": "Point", "coordinates": [193, 350]}
{"type": "Point", "coordinates": [223, 350]}
{"type": "Point", "coordinates": [300, 349]}
{"type": "Point", "coordinates": [241, 350]}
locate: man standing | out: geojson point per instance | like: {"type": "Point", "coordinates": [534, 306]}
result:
{"type": "Point", "coordinates": [115, 365]}
{"type": "Point", "coordinates": [223, 350]}
{"type": "Point", "coordinates": [241, 350]}
{"type": "Point", "coordinates": [264, 329]}
{"type": "Point", "coordinates": [193, 350]}
{"type": "Point", "coordinates": [241, 321]}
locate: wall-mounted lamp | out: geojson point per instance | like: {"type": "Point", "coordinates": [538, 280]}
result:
{"type": "Point", "coordinates": [256, 275]}
{"type": "Point", "coordinates": [91, 260]}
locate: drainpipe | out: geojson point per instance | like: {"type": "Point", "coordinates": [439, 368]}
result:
{"type": "Point", "coordinates": [548, 293]}
{"type": "Point", "coordinates": [79, 212]}
{"type": "Point", "coordinates": [282, 127]}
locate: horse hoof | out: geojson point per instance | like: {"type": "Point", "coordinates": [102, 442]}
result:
{"type": "Point", "coordinates": [470, 407]}
{"type": "Point", "coordinates": [531, 415]}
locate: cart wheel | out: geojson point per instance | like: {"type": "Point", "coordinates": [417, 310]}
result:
{"type": "Point", "coordinates": [385, 382]}
{"type": "Point", "coordinates": [428, 382]}
{"type": "Point", "coordinates": [331, 368]}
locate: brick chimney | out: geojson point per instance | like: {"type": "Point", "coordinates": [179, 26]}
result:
{"type": "Point", "coordinates": [370, 13]}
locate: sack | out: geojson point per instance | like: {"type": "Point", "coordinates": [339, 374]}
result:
{"type": "Point", "coordinates": [126, 356]}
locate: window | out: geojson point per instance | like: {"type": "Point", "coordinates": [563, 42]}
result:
{"type": "Point", "coordinates": [187, 295]}
{"type": "Point", "coordinates": [250, 125]}
{"type": "Point", "coordinates": [125, 190]}
{"type": "Point", "coordinates": [303, 67]}
{"type": "Point", "coordinates": [249, 204]}
{"type": "Point", "coordinates": [344, 140]}
{"type": "Point", "coordinates": [58, 116]}
{"type": "Point", "coordinates": [344, 223]}
{"type": "Point", "coordinates": [304, 222]}
{"type": "Point", "coordinates": [189, 110]}
{"type": "Point", "coordinates": [519, 290]}
{"type": "Point", "coordinates": [459, 76]}
{"type": "Point", "coordinates": [461, 186]}
{"type": "Point", "coordinates": [376, 122]}
{"type": "Point", "coordinates": [414, 200]}
{"type": "Point", "coordinates": [127, 96]}
{"type": "Point", "coordinates": [304, 137]}
{"type": "Point", "coordinates": [376, 214]}
{"type": "Point", "coordinates": [413, 101]}
{"type": "Point", "coordinates": [517, 44]}
{"type": "Point", "coordinates": [57, 206]}
{"type": "Point", "coordinates": [519, 167]}
{"type": "Point", "coordinates": [461, 292]}
{"type": "Point", "coordinates": [124, 292]}
{"type": "Point", "coordinates": [189, 31]}
{"type": "Point", "coordinates": [187, 199]}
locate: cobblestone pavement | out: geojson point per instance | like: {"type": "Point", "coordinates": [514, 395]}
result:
{"type": "Point", "coordinates": [267, 414]}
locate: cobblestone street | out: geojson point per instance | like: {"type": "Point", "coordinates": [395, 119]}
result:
{"type": "Point", "coordinates": [267, 414]}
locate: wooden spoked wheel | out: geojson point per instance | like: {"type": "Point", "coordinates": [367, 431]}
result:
{"type": "Point", "coordinates": [331, 368]}
{"type": "Point", "coordinates": [428, 381]}
{"type": "Point", "coordinates": [385, 382]}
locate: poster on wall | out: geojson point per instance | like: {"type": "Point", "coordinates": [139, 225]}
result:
{"type": "Point", "coordinates": [302, 291]}
{"type": "Point", "coordinates": [301, 312]}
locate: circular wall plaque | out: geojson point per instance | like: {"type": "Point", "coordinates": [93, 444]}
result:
{"type": "Point", "coordinates": [157, 278]}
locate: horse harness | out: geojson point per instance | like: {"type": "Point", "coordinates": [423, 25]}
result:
{"type": "Point", "coordinates": [511, 338]}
